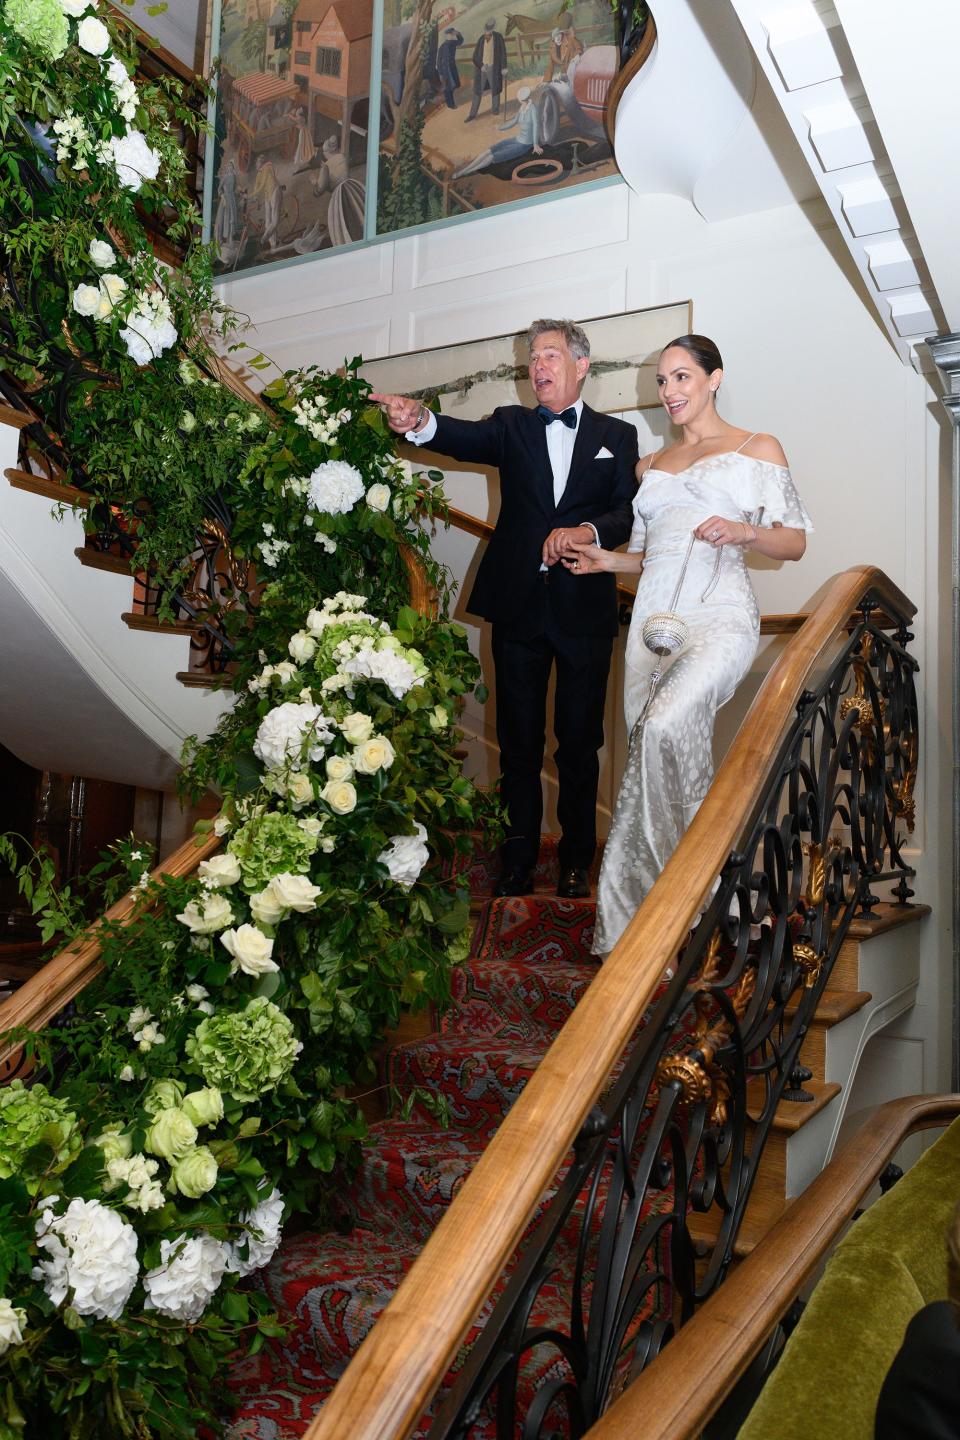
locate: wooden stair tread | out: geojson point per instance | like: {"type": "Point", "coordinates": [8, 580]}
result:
{"type": "Point", "coordinates": [52, 489]}
{"type": "Point", "coordinates": [157, 626]}
{"type": "Point", "coordinates": [792, 1115]}
{"type": "Point", "coordinates": [200, 679]}
{"type": "Point", "coordinates": [883, 917]}
{"type": "Point", "coordinates": [834, 1005]}
{"type": "Point", "coordinates": [102, 560]}
{"type": "Point", "coordinates": [763, 1212]}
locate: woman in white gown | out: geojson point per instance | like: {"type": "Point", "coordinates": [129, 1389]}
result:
{"type": "Point", "coordinates": [731, 489]}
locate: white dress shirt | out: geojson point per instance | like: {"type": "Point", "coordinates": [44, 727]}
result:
{"type": "Point", "coordinates": [560, 442]}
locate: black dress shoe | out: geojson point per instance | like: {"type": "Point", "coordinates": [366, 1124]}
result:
{"type": "Point", "coordinates": [573, 884]}
{"type": "Point", "coordinates": [515, 882]}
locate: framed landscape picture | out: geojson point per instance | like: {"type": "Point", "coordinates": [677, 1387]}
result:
{"type": "Point", "coordinates": [470, 379]}
{"type": "Point", "coordinates": [337, 122]}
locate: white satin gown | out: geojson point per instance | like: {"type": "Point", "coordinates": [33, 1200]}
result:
{"type": "Point", "coordinates": [670, 760]}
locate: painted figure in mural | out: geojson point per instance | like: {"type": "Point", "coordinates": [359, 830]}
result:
{"type": "Point", "coordinates": [267, 188]}
{"type": "Point", "coordinates": [335, 167]}
{"type": "Point", "coordinates": [489, 66]}
{"type": "Point", "coordinates": [447, 65]}
{"type": "Point", "coordinates": [306, 150]}
{"type": "Point", "coordinates": [702, 504]}
{"type": "Point", "coordinates": [227, 219]}
{"type": "Point", "coordinates": [430, 62]}
{"type": "Point", "coordinates": [527, 139]}
{"type": "Point", "coordinates": [566, 475]}
{"type": "Point", "coordinates": [564, 48]}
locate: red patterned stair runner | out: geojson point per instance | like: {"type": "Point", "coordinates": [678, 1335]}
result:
{"type": "Point", "coordinates": [529, 966]}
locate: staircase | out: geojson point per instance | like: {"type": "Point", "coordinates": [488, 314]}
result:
{"type": "Point", "coordinates": [529, 966]}
{"type": "Point", "coordinates": [71, 632]}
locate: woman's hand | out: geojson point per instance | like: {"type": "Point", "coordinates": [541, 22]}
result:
{"type": "Point", "coordinates": [717, 531]}
{"type": "Point", "coordinates": [589, 559]}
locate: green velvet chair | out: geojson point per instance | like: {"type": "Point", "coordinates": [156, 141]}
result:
{"type": "Point", "coordinates": [891, 1263]}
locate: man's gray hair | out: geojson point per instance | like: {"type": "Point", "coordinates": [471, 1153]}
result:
{"type": "Point", "coordinates": [574, 335]}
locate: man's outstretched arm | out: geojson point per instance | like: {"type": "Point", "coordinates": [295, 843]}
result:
{"type": "Point", "coordinates": [480, 441]}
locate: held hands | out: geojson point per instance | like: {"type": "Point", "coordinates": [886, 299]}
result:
{"type": "Point", "coordinates": [402, 413]}
{"type": "Point", "coordinates": [586, 558]}
{"type": "Point", "coordinates": [717, 531]}
{"type": "Point", "coordinates": [565, 544]}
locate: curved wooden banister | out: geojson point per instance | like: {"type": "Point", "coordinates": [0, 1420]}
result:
{"type": "Point", "coordinates": [403, 1360]}
{"type": "Point", "coordinates": [676, 1397]}
{"type": "Point", "coordinates": [50, 989]}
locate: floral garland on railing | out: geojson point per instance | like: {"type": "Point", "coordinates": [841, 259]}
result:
{"type": "Point", "coordinates": [202, 1090]}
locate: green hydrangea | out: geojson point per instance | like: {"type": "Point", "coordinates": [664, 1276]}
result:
{"type": "Point", "coordinates": [34, 1117]}
{"type": "Point", "coordinates": [272, 844]}
{"type": "Point", "coordinates": [40, 23]}
{"type": "Point", "coordinates": [245, 1052]}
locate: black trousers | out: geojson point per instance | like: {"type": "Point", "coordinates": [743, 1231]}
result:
{"type": "Point", "coordinates": [522, 667]}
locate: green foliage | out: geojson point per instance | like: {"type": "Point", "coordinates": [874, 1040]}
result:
{"type": "Point", "coordinates": [407, 196]}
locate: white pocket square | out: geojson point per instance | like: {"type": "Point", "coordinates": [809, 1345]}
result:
{"type": "Point", "coordinates": [603, 454]}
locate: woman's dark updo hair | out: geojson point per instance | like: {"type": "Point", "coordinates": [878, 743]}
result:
{"type": "Point", "coordinates": [701, 349]}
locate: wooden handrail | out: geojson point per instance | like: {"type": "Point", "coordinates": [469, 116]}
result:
{"type": "Point", "coordinates": [50, 989]}
{"type": "Point", "coordinates": [623, 76]}
{"type": "Point", "coordinates": [400, 1365]}
{"type": "Point", "coordinates": [677, 1395]}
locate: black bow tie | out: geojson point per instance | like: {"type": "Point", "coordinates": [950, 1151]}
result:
{"type": "Point", "coordinates": [567, 417]}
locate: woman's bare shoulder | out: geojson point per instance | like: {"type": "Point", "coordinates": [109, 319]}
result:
{"type": "Point", "coordinates": [765, 447]}
{"type": "Point", "coordinates": [649, 462]}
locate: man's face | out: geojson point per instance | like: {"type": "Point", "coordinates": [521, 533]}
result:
{"type": "Point", "coordinates": [555, 375]}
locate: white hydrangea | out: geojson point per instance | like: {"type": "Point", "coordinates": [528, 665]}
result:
{"type": "Point", "coordinates": [335, 487]}
{"type": "Point", "coordinates": [149, 329]}
{"type": "Point", "coordinates": [283, 735]}
{"type": "Point", "coordinates": [258, 1242]}
{"type": "Point", "coordinates": [92, 1257]}
{"type": "Point", "coordinates": [134, 160]}
{"type": "Point", "coordinates": [397, 672]}
{"type": "Point", "coordinates": [187, 1278]}
{"type": "Point", "coordinates": [272, 550]}
{"type": "Point", "coordinates": [405, 857]}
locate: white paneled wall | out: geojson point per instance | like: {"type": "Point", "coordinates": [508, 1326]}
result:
{"type": "Point", "coordinates": [806, 359]}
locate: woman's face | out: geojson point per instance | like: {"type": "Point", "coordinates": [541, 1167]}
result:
{"type": "Point", "coordinates": [685, 390]}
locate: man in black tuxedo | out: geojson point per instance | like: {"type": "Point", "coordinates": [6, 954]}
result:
{"type": "Point", "coordinates": [566, 475]}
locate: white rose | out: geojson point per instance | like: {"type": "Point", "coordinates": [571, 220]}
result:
{"type": "Point", "coordinates": [187, 1278]}
{"type": "Point", "coordinates": [339, 767]}
{"type": "Point", "coordinates": [222, 825]}
{"type": "Point", "coordinates": [86, 299]}
{"type": "Point", "coordinates": [294, 892]}
{"type": "Point", "coordinates": [378, 496]}
{"type": "Point", "coordinates": [251, 950]}
{"type": "Point", "coordinates": [266, 908]}
{"type": "Point", "coordinates": [93, 36]}
{"type": "Point", "coordinates": [12, 1321]}
{"type": "Point", "coordinates": [286, 671]}
{"type": "Point", "coordinates": [405, 857]}
{"type": "Point", "coordinates": [300, 789]}
{"type": "Point", "coordinates": [311, 826]}
{"type": "Point", "coordinates": [340, 796]}
{"type": "Point", "coordinates": [75, 8]}
{"type": "Point", "coordinates": [317, 621]}
{"type": "Point", "coordinates": [374, 754]}
{"type": "Point", "coordinates": [102, 254]}
{"type": "Point", "coordinates": [302, 646]}
{"type": "Point", "coordinates": [220, 871]}
{"type": "Point", "coordinates": [112, 290]}
{"type": "Point", "coordinates": [209, 913]}
{"type": "Point", "coordinates": [356, 727]}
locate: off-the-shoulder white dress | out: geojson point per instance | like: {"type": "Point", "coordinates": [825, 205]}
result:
{"type": "Point", "coordinates": [670, 761]}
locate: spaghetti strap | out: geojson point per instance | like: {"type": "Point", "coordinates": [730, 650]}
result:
{"type": "Point", "coordinates": [746, 442]}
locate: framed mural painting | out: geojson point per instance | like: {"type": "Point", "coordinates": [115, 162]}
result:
{"type": "Point", "coordinates": [338, 122]}
{"type": "Point", "coordinates": [291, 123]}
{"type": "Point", "coordinates": [469, 380]}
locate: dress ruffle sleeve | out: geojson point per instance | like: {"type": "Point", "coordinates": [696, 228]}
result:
{"type": "Point", "coordinates": [771, 488]}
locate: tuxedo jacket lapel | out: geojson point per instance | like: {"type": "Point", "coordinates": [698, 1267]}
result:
{"type": "Point", "coordinates": [534, 434]}
{"type": "Point", "coordinates": [585, 448]}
